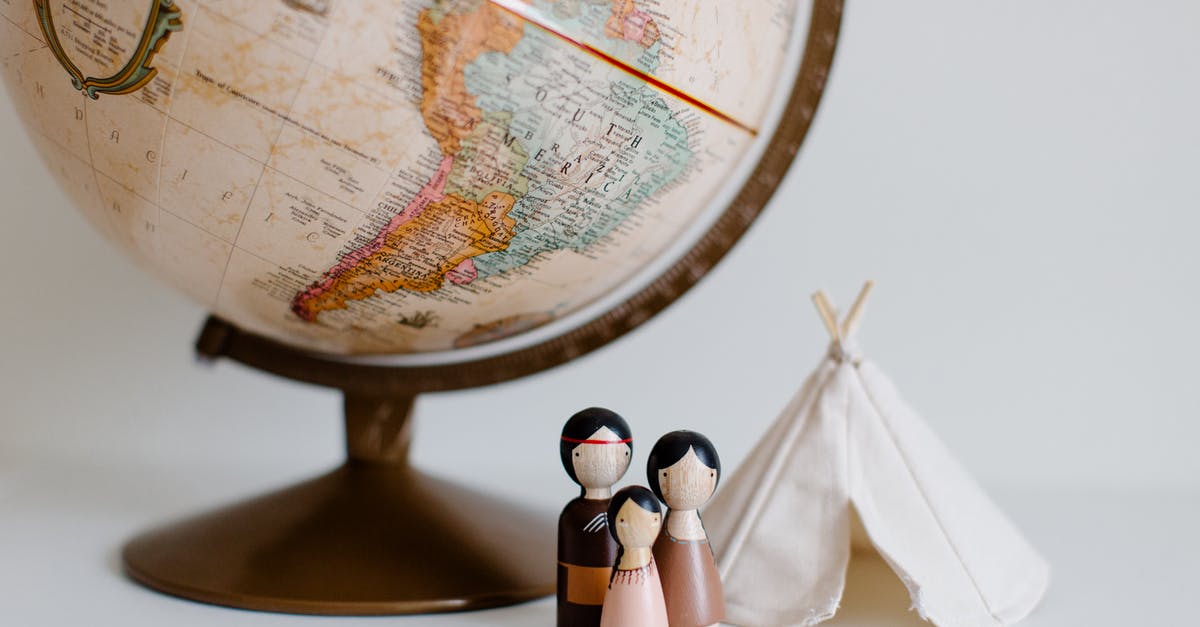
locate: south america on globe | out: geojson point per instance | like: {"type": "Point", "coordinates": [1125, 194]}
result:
{"type": "Point", "coordinates": [396, 176]}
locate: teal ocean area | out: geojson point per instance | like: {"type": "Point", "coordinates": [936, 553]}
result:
{"type": "Point", "coordinates": [597, 142]}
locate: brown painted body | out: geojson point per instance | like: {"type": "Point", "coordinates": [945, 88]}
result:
{"type": "Point", "coordinates": [586, 552]}
{"type": "Point", "coordinates": [690, 581]}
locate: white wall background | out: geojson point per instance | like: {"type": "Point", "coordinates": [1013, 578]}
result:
{"type": "Point", "coordinates": [1021, 178]}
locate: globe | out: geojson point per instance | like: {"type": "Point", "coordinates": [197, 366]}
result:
{"type": "Point", "coordinates": [402, 177]}
{"type": "Point", "coordinates": [396, 196]}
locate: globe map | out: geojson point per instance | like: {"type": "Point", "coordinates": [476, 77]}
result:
{"type": "Point", "coordinates": [396, 176]}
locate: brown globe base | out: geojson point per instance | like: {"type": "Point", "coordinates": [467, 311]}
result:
{"type": "Point", "coordinates": [371, 537]}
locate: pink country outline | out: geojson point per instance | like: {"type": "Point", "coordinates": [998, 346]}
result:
{"type": "Point", "coordinates": [633, 27]}
{"type": "Point", "coordinates": [431, 193]}
{"type": "Point", "coordinates": [463, 273]}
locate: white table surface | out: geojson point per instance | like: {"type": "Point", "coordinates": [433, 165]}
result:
{"type": "Point", "coordinates": [1119, 558]}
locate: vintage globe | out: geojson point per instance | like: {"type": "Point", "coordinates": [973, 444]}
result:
{"type": "Point", "coordinates": [406, 177]}
{"type": "Point", "coordinates": [397, 196]}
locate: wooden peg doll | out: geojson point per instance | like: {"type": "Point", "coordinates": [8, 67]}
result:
{"type": "Point", "coordinates": [635, 595]}
{"type": "Point", "coordinates": [596, 448]}
{"type": "Point", "coordinates": [683, 470]}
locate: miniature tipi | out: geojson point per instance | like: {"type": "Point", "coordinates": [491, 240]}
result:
{"type": "Point", "coordinates": [845, 445]}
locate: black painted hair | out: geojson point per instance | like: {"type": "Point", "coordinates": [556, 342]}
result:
{"type": "Point", "coordinates": [672, 447]}
{"type": "Point", "coordinates": [636, 493]}
{"type": "Point", "coordinates": [644, 499]}
{"type": "Point", "coordinates": [582, 425]}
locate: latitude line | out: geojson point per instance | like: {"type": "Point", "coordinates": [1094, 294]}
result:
{"type": "Point", "coordinates": [162, 210]}
{"type": "Point", "coordinates": [526, 14]}
{"type": "Point", "coordinates": [114, 232]}
{"type": "Point", "coordinates": [182, 218]}
{"type": "Point", "coordinates": [314, 62]}
{"type": "Point", "coordinates": [5, 60]}
{"type": "Point", "coordinates": [258, 186]}
{"type": "Point", "coordinates": [162, 143]}
{"type": "Point", "coordinates": [268, 166]}
{"type": "Point", "coordinates": [332, 70]}
{"type": "Point", "coordinates": [99, 172]}
{"type": "Point", "coordinates": [22, 29]}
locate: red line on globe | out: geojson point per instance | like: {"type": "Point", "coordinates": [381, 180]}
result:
{"type": "Point", "coordinates": [514, 8]}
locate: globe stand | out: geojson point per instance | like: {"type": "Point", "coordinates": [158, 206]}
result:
{"type": "Point", "coordinates": [373, 536]}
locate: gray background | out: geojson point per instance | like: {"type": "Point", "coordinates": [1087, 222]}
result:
{"type": "Point", "coordinates": [1020, 178]}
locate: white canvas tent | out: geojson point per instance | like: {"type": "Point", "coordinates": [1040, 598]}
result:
{"type": "Point", "coordinates": [848, 444]}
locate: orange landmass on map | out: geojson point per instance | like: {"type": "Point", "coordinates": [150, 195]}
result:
{"type": "Point", "coordinates": [631, 23]}
{"type": "Point", "coordinates": [435, 233]}
{"type": "Point", "coordinates": [447, 46]}
{"type": "Point", "coordinates": [419, 253]}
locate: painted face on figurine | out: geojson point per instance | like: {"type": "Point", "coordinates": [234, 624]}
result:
{"type": "Point", "coordinates": [683, 470]}
{"type": "Point", "coordinates": [596, 447]}
{"type": "Point", "coordinates": [634, 518]}
{"type": "Point", "coordinates": [601, 460]}
{"type": "Point", "coordinates": [636, 527]}
{"type": "Point", "coordinates": [688, 483]}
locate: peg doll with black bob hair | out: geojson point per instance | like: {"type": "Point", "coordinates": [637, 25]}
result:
{"type": "Point", "coordinates": [683, 470]}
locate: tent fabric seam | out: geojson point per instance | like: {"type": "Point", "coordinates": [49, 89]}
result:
{"type": "Point", "coordinates": [734, 550]}
{"type": "Point", "coordinates": [925, 498]}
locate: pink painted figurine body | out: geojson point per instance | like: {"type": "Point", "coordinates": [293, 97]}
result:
{"type": "Point", "coordinates": [635, 595]}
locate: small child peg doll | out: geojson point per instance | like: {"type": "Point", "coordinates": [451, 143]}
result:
{"type": "Point", "coordinates": [596, 447]}
{"type": "Point", "coordinates": [683, 470]}
{"type": "Point", "coordinates": [635, 594]}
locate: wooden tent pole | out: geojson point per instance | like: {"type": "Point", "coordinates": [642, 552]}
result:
{"type": "Point", "coordinates": [850, 324]}
{"type": "Point", "coordinates": [827, 313]}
